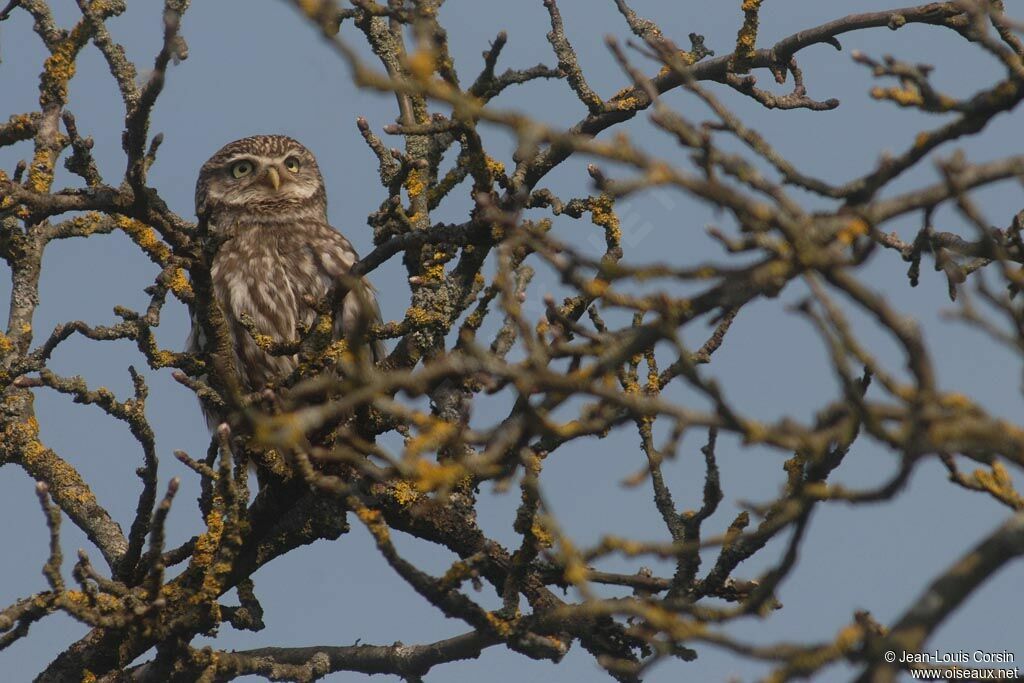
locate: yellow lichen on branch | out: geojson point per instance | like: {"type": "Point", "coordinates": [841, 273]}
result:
{"type": "Point", "coordinates": [422, 63]}
{"type": "Point", "coordinates": [85, 225]}
{"type": "Point", "coordinates": [998, 482]}
{"type": "Point", "coordinates": [18, 126]}
{"type": "Point", "coordinates": [59, 68]}
{"type": "Point", "coordinates": [501, 624]}
{"type": "Point", "coordinates": [494, 166]}
{"type": "Point", "coordinates": [912, 97]}
{"type": "Point", "coordinates": [433, 434]}
{"type": "Point", "coordinates": [542, 535]}
{"type": "Point", "coordinates": [434, 270]}
{"type": "Point", "coordinates": [374, 522]}
{"type": "Point", "coordinates": [40, 172]}
{"type": "Point", "coordinates": [206, 547]}
{"type": "Point", "coordinates": [416, 183]}
{"type": "Point", "coordinates": [687, 59]}
{"type": "Point", "coordinates": [421, 316]}
{"type": "Point", "coordinates": [105, 602]}
{"type": "Point", "coordinates": [602, 212]}
{"type": "Point", "coordinates": [432, 476]}
{"type": "Point", "coordinates": [857, 227]}
{"type": "Point", "coordinates": [595, 288]}
{"type": "Point", "coordinates": [403, 493]}
{"type": "Point", "coordinates": [209, 541]}
{"type": "Point", "coordinates": [22, 439]}
{"type": "Point", "coordinates": [746, 39]}
{"type": "Point", "coordinates": [19, 442]}
{"type": "Point", "coordinates": [179, 284]}
{"type": "Point", "coordinates": [145, 237]}
{"type": "Point", "coordinates": [319, 11]}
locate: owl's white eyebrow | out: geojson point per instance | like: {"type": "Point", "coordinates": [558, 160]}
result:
{"type": "Point", "coordinates": [250, 157]}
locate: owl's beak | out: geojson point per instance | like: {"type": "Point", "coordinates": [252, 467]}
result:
{"type": "Point", "coordinates": [273, 178]}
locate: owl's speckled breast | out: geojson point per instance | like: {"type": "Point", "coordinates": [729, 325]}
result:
{"type": "Point", "coordinates": [271, 276]}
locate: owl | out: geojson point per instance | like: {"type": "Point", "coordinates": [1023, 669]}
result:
{"type": "Point", "coordinates": [265, 197]}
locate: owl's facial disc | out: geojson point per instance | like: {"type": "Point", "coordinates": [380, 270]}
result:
{"type": "Point", "coordinates": [250, 180]}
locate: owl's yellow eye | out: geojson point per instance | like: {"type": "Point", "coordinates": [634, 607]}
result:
{"type": "Point", "coordinates": [292, 164]}
{"type": "Point", "coordinates": [241, 169]}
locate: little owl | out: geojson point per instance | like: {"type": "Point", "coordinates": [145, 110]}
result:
{"type": "Point", "coordinates": [264, 195]}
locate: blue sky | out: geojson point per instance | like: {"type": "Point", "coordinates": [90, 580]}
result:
{"type": "Point", "coordinates": [256, 67]}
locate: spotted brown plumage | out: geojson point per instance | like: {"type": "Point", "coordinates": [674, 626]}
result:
{"type": "Point", "coordinates": [265, 195]}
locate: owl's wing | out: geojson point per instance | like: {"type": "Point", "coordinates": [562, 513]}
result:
{"type": "Point", "coordinates": [336, 257]}
{"type": "Point", "coordinates": [194, 345]}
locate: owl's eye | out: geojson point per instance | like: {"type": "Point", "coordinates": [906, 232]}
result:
{"type": "Point", "coordinates": [292, 164]}
{"type": "Point", "coordinates": [241, 169]}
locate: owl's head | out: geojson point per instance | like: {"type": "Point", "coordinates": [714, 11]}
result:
{"type": "Point", "coordinates": [262, 173]}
